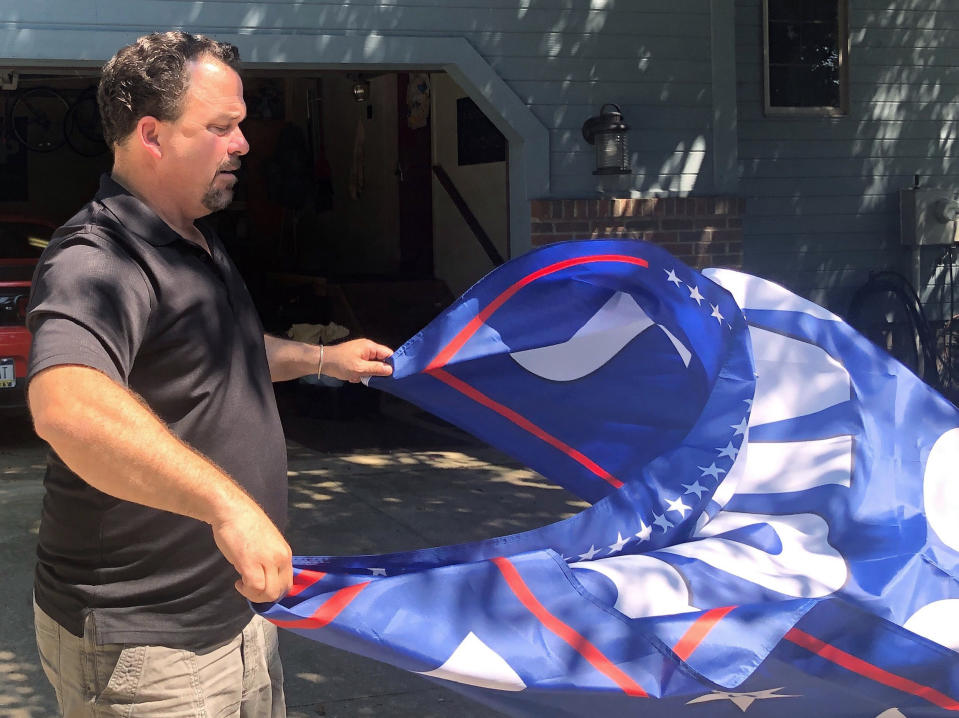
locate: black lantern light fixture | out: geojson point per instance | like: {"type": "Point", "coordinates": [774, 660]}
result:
{"type": "Point", "coordinates": [361, 89]}
{"type": "Point", "coordinates": [607, 132]}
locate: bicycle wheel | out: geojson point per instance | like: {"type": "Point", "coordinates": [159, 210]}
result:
{"type": "Point", "coordinates": [36, 119]}
{"type": "Point", "coordinates": [82, 128]}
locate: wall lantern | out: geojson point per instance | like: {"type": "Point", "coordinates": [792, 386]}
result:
{"type": "Point", "coordinates": [361, 90]}
{"type": "Point", "coordinates": [607, 132]}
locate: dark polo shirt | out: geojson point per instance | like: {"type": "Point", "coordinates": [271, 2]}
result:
{"type": "Point", "coordinates": [119, 291]}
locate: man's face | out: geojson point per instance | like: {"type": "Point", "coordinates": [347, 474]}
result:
{"type": "Point", "coordinates": [204, 143]}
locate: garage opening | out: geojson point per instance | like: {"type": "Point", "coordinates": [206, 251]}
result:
{"type": "Point", "coordinates": [368, 199]}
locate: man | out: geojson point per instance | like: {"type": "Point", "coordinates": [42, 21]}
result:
{"type": "Point", "coordinates": [150, 379]}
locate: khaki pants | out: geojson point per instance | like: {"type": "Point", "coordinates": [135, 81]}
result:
{"type": "Point", "coordinates": [238, 679]}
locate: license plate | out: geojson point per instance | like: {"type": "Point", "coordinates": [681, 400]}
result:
{"type": "Point", "coordinates": [8, 378]}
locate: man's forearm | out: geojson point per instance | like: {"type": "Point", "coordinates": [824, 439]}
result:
{"type": "Point", "coordinates": [289, 359]}
{"type": "Point", "coordinates": [117, 445]}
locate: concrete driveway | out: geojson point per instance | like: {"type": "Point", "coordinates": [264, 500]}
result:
{"type": "Point", "coordinates": [390, 481]}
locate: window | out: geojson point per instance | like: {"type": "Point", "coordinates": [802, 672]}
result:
{"type": "Point", "coordinates": [806, 48]}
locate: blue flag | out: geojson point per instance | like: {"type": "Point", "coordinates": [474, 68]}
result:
{"type": "Point", "coordinates": [774, 519]}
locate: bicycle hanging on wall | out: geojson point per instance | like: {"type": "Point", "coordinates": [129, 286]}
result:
{"type": "Point", "coordinates": [43, 120]}
{"type": "Point", "coordinates": [82, 128]}
{"type": "Point", "coordinates": [36, 119]}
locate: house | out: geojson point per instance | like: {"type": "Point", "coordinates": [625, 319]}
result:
{"type": "Point", "coordinates": [481, 103]}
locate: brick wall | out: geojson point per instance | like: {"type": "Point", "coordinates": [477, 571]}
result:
{"type": "Point", "coordinates": [702, 231]}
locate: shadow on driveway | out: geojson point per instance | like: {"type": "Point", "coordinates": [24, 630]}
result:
{"type": "Point", "coordinates": [390, 479]}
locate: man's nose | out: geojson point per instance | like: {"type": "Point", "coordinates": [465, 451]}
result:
{"type": "Point", "coordinates": [238, 143]}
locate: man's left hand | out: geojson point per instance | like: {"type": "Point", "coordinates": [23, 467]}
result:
{"type": "Point", "coordinates": [356, 360]}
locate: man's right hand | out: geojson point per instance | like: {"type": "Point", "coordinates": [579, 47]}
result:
{"type": "Point", "coordinates": [258, 551]}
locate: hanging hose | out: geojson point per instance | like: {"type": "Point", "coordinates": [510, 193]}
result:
{"type": "Point", "coordinates": [947, 337]}
{"type": "Point", "coordinates": [909, 340]}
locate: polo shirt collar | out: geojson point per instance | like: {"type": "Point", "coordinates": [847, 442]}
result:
{"type": "Point", "coordinates": [133, 214]}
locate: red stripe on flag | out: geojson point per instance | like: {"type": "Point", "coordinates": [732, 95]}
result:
{"type": "Point", "coordinates": [579, 643]}
{"type": "Point", "coordinates": [868, 670]}
{"type": "Point", "coordinates": [524, 423]}
{"type": "Point", "coordinates": [697, 632]}
{"type": "Point", "coordinates": [304, 579]}
{"type": "Point", "coordinates": [328, 611]}
{"type": "Point", "coordinates": [449, 351]}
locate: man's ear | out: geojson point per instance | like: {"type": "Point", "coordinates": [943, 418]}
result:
{"type": "Point", "coordinates": [147, 134]}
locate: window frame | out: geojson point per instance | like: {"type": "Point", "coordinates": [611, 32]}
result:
{"type": "Point", "coordinates": [821, 111]}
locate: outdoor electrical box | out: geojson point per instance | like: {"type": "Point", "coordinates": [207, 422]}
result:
{"type": "Point", "coordinates": [927, 216]}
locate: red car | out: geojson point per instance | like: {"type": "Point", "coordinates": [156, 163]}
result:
{"type": "Point", "coordinates": [21, 241]}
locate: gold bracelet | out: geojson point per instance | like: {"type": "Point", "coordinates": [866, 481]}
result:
{"type": "Point", "coordinates": [319, 369]}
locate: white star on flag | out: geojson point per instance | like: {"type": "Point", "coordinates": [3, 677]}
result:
{"type": "Point", "coordinates": [694, 294]}
{"type": "Point", "coordinates": [728, 450]}
{"type": "Point", "coordinates": [712, 470]}
{"type": "Point", "coordinates": [620, 542]}
{"type": "Point", "coordinates": [661, 521]}
{"type": "Point", "coordinates": [588, 556]}
{"type": "Point", "coordinates": [678, 506]}
{"type": "Point", "coordinates": [695, 488]}
{"type": "Point", "coordinates": [741, 700]}
{"type": "Point", "coordinates": [740, 427]}
{"type": "Point", "coordinates": [644, 532]}
{"type": "Point", "coordinates": [671, 277]}
{"type": "Point", "coordinates": [719, 317]}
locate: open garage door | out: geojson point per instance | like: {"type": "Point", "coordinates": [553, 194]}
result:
{"type": "Point", "coordinates": [368, 199]}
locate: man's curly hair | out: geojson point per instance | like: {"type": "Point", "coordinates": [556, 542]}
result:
{"type": "Point", "coordinates": [150, 78]}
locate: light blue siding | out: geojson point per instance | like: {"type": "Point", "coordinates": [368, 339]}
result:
{"type": "Point", "coordinates": [822, 206]}
{"type": "Point", "coordinates": [822, 193]}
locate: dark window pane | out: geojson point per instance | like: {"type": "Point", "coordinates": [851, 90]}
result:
{"type": "Point", "coordinates": [818, 44]}
{"type": "Point", "coordinates": [822, 88]}
{"type": "Point", "coordinates": [785, 43]}
{"type": "Point", "coordinates": [785, 10]}
{"type": "Point", "coordinates": [783, 90]}
{"type": "Point", "coordinates": [821, 10]}
{"type": "Point", "coordinates": [477, 139]}
{"type": "Point", "coordinates": [804, 41]}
